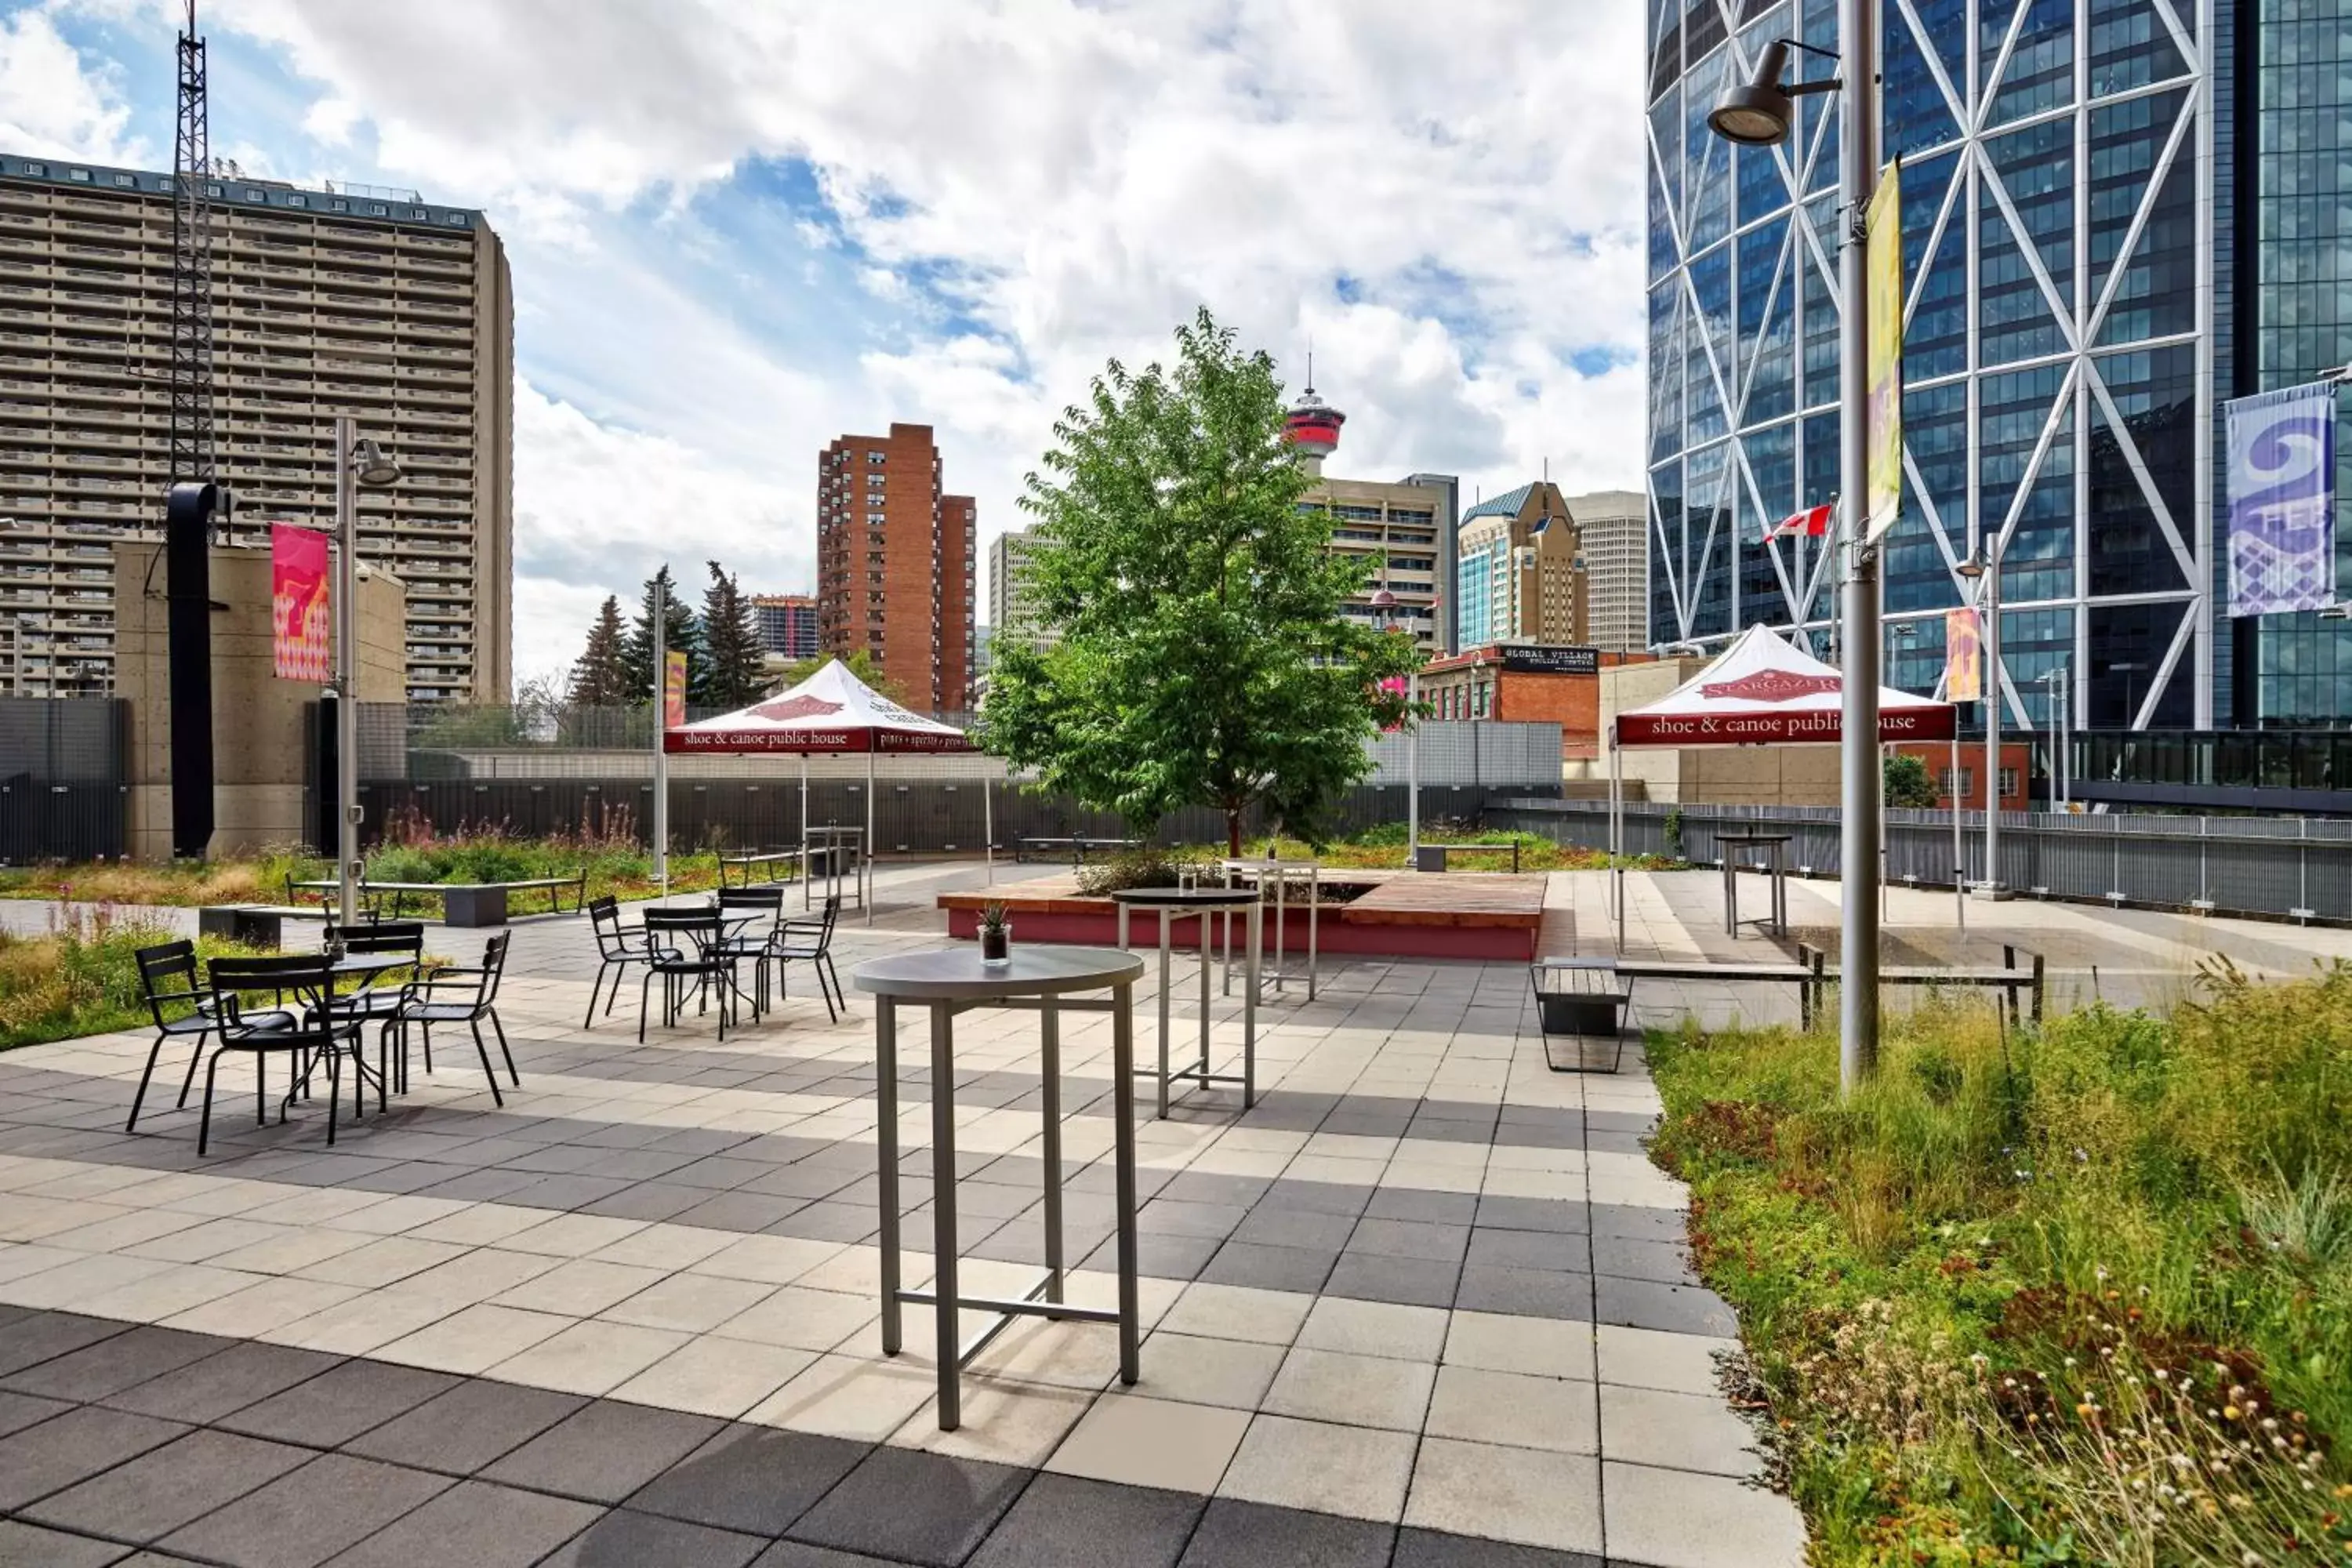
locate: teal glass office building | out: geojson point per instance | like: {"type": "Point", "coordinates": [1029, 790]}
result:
{"type": "Point", "coordinates": [2117, 215]}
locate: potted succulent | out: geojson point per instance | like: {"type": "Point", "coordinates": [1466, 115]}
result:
{"type": "Point", "coordinates": [995, 935]}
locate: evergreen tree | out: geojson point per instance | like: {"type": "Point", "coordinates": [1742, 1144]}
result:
{"type": "Point", "coordinates": [600, 678]}
{"type": "Point", "coordinates": [1204, 656]}
{"type": "Point", "coordinates": [732, 675]}
{"type": "Point", "coordinates": [680, 632]}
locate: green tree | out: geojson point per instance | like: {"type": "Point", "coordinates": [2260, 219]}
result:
{"type": "Point", "coordinates": [1907, 782]}
{"type": "Point", "coordinates": [680, 631]}
{"type": "Point", "coordinates": [861, 664]}
{"type": "Point", "coordinates": [730, 675]}
{"type": "Point", "coordinates": [1203, 657]}
{"type": "Point", "coordinates": [599, 677]}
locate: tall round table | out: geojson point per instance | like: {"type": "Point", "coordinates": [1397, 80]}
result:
{"type": "Point", "coordinates": [949, 981]}
{"type": "Point", "coordinates": [1169, 903]}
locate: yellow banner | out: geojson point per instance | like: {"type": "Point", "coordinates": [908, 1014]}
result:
{"type": "Point", "coordinates": [1963, 658]}
{"type": "Point", "coordinates": [1883, 271]}
{"type": "Point", "coordinates": [674, 690]}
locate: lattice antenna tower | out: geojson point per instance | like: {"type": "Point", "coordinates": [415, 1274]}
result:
{"type": "Point", "coordinates": [192, 268]}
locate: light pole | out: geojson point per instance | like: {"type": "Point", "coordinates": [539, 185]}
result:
{"type": "Point", "coordinates": [1758, 114]}
{"type": "Point", "coordinates": [1983, 567]}
{"type": "Point", "coordinates": [358, 462]}
{"type": "Point", "coordinates": [2060, 690]}
{"type": "Point", "coordinates": [1386, 607]}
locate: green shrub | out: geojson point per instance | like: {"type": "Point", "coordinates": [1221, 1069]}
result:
{"type": "Point", "coordinates": [80, 977]}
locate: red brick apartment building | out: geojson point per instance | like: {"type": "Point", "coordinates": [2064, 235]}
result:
{"type": "Point", "coordinates": [1526, 683]}
{"type": "Point", "coordinates": [894, 564]}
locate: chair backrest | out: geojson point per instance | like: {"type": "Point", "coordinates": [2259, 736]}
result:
{"type": "Point", "coordinates": [750, 898]}
{"type": "Point", "coordinates": [832, 916]}
{"type": "Point", "coordinates": [494, 964]}
{"type": "Point", "coordinates": [306, 977]}
{"type": "Point", "coordinates": [389, 936]}
{"type": "Point", "coordinates": [167, 972]}
{"type": "Point", "coordinates": [702, 925]}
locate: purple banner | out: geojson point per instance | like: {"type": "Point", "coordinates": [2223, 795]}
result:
{"type": "Point", "coordinates": [2282, 500]}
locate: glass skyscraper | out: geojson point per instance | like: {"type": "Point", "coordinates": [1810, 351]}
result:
{"type": "Point", "coordinates": [2072, 227]}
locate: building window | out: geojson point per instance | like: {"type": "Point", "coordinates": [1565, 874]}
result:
{"type": "Point", "coordinates": [339, 207]}
{"type": "Point", "coordinates": [456, 220]}
{"type": "Point", "coordinates": [130, 181]}
{"type": "Point", "coordinates": [81, 174]}
{"type": "Point", "coordinates": [375, 209]}
{"type": "Point", "coordinates": [2008, 782]}
{"type": "Point", "coordinates": [296, 202]}
{"type": "Point", "coordinates": [37, 170]}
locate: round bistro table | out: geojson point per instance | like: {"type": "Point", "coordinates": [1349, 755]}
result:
{"type": "Point", "coordinates": [1169, 903]}
{"type": "Point", "coordinates": [953, 980]}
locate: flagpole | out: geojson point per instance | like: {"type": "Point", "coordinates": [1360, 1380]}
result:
{"type": "Point", "coordinates": [661, 720]}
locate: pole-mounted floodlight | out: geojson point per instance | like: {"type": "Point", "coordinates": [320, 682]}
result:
{"type": "Point", "coordinates": [372, 467]}
{"type": "Point", "coordinates": [1760, 113]}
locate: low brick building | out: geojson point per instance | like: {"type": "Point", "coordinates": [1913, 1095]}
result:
{"type": "Point", "coordinates": [1526, 683]}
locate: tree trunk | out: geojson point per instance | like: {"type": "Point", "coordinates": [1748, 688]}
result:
{"type": "Point", "coordinates": [1234, 834]}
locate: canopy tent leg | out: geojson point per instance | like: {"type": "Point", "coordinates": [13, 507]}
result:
{"type": "Point", "coordinates": [867, 893]}
{"type": "Point", "coordinates": [1617, 833]}
{"type": "Point", "coordinates": [988, 820]}
{"type": "Point", "coordinates": [808, 866]}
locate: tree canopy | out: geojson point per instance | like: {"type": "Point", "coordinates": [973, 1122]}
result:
{"type": "Point", "coordinates": [599, 677]}
{"type": "Point", "coordinates": [1907, 782]}
{"type": "Point", "coordinates": [680, 631]}
{"type": "Point", "coordinates": [1203, 657]}
{"type": "Point", "coordinates": [732, 675]}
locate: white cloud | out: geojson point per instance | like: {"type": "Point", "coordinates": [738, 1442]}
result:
{"type": "Point", "coordinates": [55, 104]}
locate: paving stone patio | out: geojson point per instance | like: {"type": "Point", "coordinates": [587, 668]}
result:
{"type": "Point", "coordinates": [1427, 1304]}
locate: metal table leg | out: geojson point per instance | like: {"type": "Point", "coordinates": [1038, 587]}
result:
{"type": "Point", "coordinates": [1049, 1049]}
{"type": "Point", "coordinates": [944, 1292]}
{"type": "Point", "coordinates": [1122, 1054]}
{"type": "Point", "coordinates": [1164, 923]}
{"type": "Point", "coordinates": [886, 1138]}
{"type": "Point", "coordinates": [1203, 934]}
{"type": "Point", "coordinates": [1256, 935]}
{"type": "Point", "coordinates": [1730, 895]}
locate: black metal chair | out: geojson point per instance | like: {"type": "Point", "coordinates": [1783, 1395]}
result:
{"type": "Point", "coordinates": [682, 945]}
{"type": "Point", "coordinates": [453, 995]}
{"type": "Point", "coordinates": [378, 997]}
{"type": "Point", "coordinates": [811, 942]}
{"type": "Point", "coordinates": [295, 1021]}
{"type": "Point", "coordinates": [753, 919]}
{"type": "Point", "coordinates": [167, 975]}
{"type": "Point", "coordinates": [617, 947]}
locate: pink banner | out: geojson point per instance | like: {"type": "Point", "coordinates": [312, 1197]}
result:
{"type": "Point", "coordinates": [298, 603]}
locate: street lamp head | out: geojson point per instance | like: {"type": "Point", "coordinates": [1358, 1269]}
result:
{"type": "Point", "coordinates": [1973, 567]}
{"type": "Point", "coordinates": [1384, 600]}
{"type": "Point", "coordinates": [1759, 113]}
{"type": "Point", "coordinates": [372, 466]}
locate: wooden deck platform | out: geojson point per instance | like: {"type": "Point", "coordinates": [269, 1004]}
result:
{"type": "Point", "coordinates": [1398, 914]}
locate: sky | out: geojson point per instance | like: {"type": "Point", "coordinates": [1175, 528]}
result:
{"type": "Point", "coordinates": [738, 228]}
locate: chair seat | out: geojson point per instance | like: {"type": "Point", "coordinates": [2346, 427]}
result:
{"type": "Point", "coordinates": [438, 1012]}
{"type": "Point", "coordinates": [285, 1040]}
{"type": "Point", "coordinates": [194, 1024]}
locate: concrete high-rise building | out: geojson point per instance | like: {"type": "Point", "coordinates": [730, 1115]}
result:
{"type": "Point", "coordinates": [2117, 215]}
{"type": "Point", "coordinates": [787, 624]}
{"type": "Point", "coordinates": [374, 303]}
{"type": "Point", "coordinates": [1406, 528]}
{"type": "Point", "coordinates": [1520, 571]}
{"type": "Point", "coordinates": [1612, 531]}
{"type": "Point", "coordinates": [895, 556]}
{"type": "Point", "coordinates": [1009, 604]}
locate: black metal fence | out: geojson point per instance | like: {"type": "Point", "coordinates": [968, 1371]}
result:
{"type": "Point", "coordinates": [2296, 867]}
{"type": "Point", "coordinates": [64, 778]}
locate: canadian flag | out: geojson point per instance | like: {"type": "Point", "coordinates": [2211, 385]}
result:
{"type": "Point", "coordinates": [1813, 521]}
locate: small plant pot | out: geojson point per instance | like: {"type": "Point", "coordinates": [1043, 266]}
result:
{"type": "Point", "coordinates": [996, 946]}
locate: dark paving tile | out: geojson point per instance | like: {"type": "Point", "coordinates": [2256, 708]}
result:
{"type": "Point", "coordinates": [799, 1555]}
{"type": "Point", "coordinates": [1413, 1203]}
{"type": "Point", "coordinates": [156, 1560]}
{"type": "Point", "coordinates": [1661, 1262]}
{"type": "Point", "coordinates": [1272, 1226]}
{"type": "Point", "coordinates": [475, 1525]}
{"type": "Point", "coordinates": [300, 1519]}
{"type": "Point", "coordinates": [1531, 1292]}
{"type": "Point", "coordinates": [26, 1545]}
{"type": "Point", "coordinates": [624, 1539]}
{"type": "Point", "coordinates": [1560, 1251]}
{"type": "Point", "coordinates": [1640, 1221]}
{"type": "Point", "coordinates": [337, 1405]}
{"type": "Point", "coordinates": [1409, 1281]}
{"type": "Point", "coordinates": [565, 1192]}
{"type": "Point", "coordinates": [206, 1390]}
{"type": "Point", "coordinates": [743, 1210]}
{"type": "Point", "coordinates": [1254, 1535]}
{"type": "Point", "coordinates": [1436, 1130]}
{"type": "Point", "coordinates": [604, 1451]}
{"type": "Point", "coordinates": [1200, 1187]}
{"type": "Point", "coordinates": [72, 1446]}
{"type": "Point", "coordinates": [1269, 1268]}
{"type": "Point", "coordinates": [754, 1479]}
{"type": "Point", "coordinates": [1317, 1197]}
{"type": "Point", "coordinates": [807, 1181]}
{"type": "Point", "coordinates": [1534, 1214]}
{"type": "Point", "coordinates": [480, 1186]}
{"type": "Point", "coordinates": [1161, 1256]}
{"type": "Point", "coordinates": [1675, 1308]}
{"type": "Point", "coordinates": [112, 1364]}
{"type": "Point", "coordinates": [923, 1508]}
{"type": "Point", "coordinates": [828, 1221]}
{"type": "Point", "coordinates": [159, 1491]}
{"type": "Point", "coordinates": [1062, 1522]}
{"type": "Point", "coordinates": [1409, 1238]}
{"type": "Point", "coordinates": [18, 1411]}
{"type": "Point", "coordinates": [1173, 1216]}
{"type": "Point", "coordinates": [459, 1431]}
{"type": "Point", "coordinates": [1430, 1549]}
{"type": "Point", "coordinates": [43, 1336]}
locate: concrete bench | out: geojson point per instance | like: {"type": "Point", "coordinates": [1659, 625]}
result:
{"type": "Point", "coordinates": [1075, 847]}
{"type": "Point", "coordinates": [769, 859]}
{"type": "Point", "coordinates": [253, 925]}
{"type": "Point", "coordinates": [462, 903]}
{"type": "Point", "coordinates": [1439, 857]}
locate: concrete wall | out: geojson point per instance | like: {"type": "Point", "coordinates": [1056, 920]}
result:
{"type": "Point", "coordinates": [1718, 775]}
{"type": "Point", "coordinates": [261, 747]}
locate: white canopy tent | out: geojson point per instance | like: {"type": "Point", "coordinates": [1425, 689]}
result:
{"type": "Point", "coordinates": [830, 714]}
{"type": "Point", "coordinates": [1761, 691]}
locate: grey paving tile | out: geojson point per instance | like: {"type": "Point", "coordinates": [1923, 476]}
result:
{"type": "Point", "coordinates": [623, 1539]}
{"type": "Point", "coordinates": [473, 1525]}
{"type": "Point", "coordinates": [43, 1336]}
{"type": "Point", "coordinates": [203, 1391]}
{"type": "Point", "coordinates": [1235, 1534]}
{"type": "Point", "coordinates": [604, 1451]}
{"type": "Point", "coordinates": [737, 1210]}
{"type": "Point", "coordinates": [827, 1221]}
{"type": "Point", "coordinates": [1675, 1308]}
{"type": "Point", "coordinates": [1269, 1268]}
{"type": "Point", "coordinates": [302, 1519]}
{"type": "Point", "coordinates": [57, 1453]}
{"type": "Point", "coordinates": [1436, 1549]}
{"type": "Point", "coordinates": [1663, 1262]}
{"type": "Point", "coordinates": [922, 1507]}
{"type": "Point", "coordinates": [1560, 1251]}
{"type": "Point", "coordinates": [461, 1430]}
{"type": "Point", "coordinates": [1526, 1292]}
{"type": "Point", "coordinates": [1640, 1221]}
{"type": "Point", "coordinates": [112, 1364]}
{"type": "Point", "coordinates": [1427, 1207]}
{"type": "Point", "coordinates": [754, 1479]}
{"type": "Point", "coordinates": [1412, 1281]}
{"type": "Point", "coordinates": [1534, 1214]}
{"type": "Point", "coordinates": [648, 1201]}
{"type": "Point", "coordinates": [1199, 1187]}
{"type": "Point", "coordinates": [165, 1487]}
{"type": "Point", "coordinates": [1317, 1197]}
{"type": "Point", "coordinates": [1065, 1521]}
{"type": "Point", "coordinates": [798, 1554]}
{"type": "Point", "coordinates": [1173, 1216]}
{"type": "Point", "coordinates": [1270, 1226]}
{"type": "Point", "coordinates": [1409, 1238]}
{"type": "Point", "coordinates": [340, 1404]}
{"type": "Point", "coordinates": [26, 1545]}
{"type": "Point", "coordinates": [18, 1411]}
{"type": "Point", "coordinates": [1161, 1256]}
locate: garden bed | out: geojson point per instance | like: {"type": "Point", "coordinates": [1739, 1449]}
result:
{"type": "Point", "coordinates": [2075, 1295]}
